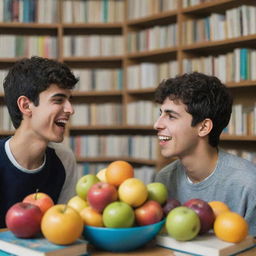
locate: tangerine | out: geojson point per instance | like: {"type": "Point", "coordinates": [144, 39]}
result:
{"type": "Point", "coordinates": [218, 207]}
{"type": "Point", "coordinates": [119, 171]}
{"type": "Point", "coordinates": [230, 227]}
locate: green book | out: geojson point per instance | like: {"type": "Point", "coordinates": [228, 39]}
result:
{"type": "Point", "coordinates": [39, 246]}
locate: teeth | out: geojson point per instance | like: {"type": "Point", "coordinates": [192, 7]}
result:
{"type": "Point", "coordinates": [62, 121]}
{"type": "Point", "coordinates": [165, 138]}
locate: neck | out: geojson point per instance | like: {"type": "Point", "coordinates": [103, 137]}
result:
{"type": "Point", "coordinates": [27, 150]}
{"type": "Point", "coordinates": [200, 164]}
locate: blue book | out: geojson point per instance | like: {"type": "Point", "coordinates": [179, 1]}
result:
{"type": "Point", "coordinates": [39, 246]}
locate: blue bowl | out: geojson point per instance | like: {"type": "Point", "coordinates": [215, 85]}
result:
{"type": "Point", "coordinates": [121, 239]}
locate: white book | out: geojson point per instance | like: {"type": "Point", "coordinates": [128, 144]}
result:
{"type": "Point", "coordinates": [207, 245]}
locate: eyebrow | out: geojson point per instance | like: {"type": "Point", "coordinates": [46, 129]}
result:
{"type": "Point", "coordinates": [169, 111]}
{"type": "Point", "coordinates": [61, 95]}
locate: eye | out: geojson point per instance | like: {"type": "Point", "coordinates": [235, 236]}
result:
{"type": "Point", "coordinates": [58, 100]}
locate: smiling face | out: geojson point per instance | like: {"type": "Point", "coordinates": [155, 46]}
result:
{"type": "Point", "coordinates": [49, 118]}
{"type": "Point", "coordinates": [177, 138]}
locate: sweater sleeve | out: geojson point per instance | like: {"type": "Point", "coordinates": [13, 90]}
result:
{"type": "Point", "coordinates": [69, 162]}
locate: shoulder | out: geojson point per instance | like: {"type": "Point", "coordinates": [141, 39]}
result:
{"type": "Point", "coordinates": [168, 170]}
{"type": "Point", "coordinates": [61, 150]}
{"type": "Point", "coordinates": [236, 162]}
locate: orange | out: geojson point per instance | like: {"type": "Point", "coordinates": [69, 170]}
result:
{"type": "Point", "coordinates": [119, 171]}
{"type": "Point", "coordinates": [230, 227]}
{"type": "Point", "coordinates": [218, 207]}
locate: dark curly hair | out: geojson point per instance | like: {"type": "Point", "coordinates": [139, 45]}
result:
{"type": "Point", "coordinates": [30, 77]}
{"type": "Point", "coordinates": [204, 96]}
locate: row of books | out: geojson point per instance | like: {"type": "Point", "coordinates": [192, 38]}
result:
{"type": "Point", "coordinates": [41, 11]}
{"type": "Point", "coordinates": [135, 146]}
{"type": "Point", "coordinates": [12, 46]}
{"type": "Point", "coordinates": [142, 8]}
{"type": "Point", "coordinates": [143, 112]}
{"type": "Point", "coordinates": [91, 11]}
{"type": "Point", "coordinates": [148, 74]}
{"type": "Point", "coordinates": [101, 79]}
{"type": "Point", "coordinates": [144, 173]}
{"type": "Point", "coordinates": [156, 37]}
{"type": "Point", "coordinates": [3, 73]}
{"type": "Point", "coordinates": [97, 114]}
{"type": "Point", "coordinates": [242, 121]}
{"type": "Point", "coordinates": [236, 22]}
{"type": "Point", "coordinates": [93, 45]}
{"type": "Point", "coordinates": [234, 66]}
{"type": "Point", "coordinates": [187, 3]}
{"type": "Point", "coordinates": [5, 121]}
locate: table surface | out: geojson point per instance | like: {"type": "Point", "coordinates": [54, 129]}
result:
{"type": "Point", "coordinates": [151, 250]}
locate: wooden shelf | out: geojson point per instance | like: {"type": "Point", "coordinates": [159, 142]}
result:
{"type": "Point", "coordinates": [111, 159]}
{"type": "Point", "coordinates": [161, 18]}
{"type": "Point", "coordinates": [127, 95]}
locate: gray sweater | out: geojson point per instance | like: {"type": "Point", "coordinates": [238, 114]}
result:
{"type": "Point", "coordinates": [233, 182]}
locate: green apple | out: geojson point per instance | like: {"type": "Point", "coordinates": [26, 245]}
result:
{"type": "Point", "coordinates": [158, 192]}
{"type": "Point", "coordinates": [118, 215]}
{"type": "Point", "coordinates": [84, 184]}
{"type": "Point", "coordinates": [182, 223]}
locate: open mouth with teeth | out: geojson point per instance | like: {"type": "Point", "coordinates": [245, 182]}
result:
{"type": "Point", "coordinates": [61, 122]}
{"type": "Point", "coordinates": [164, 138]}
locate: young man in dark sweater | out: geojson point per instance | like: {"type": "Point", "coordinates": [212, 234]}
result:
{"type": "Point", "coordinates": [37, 94]}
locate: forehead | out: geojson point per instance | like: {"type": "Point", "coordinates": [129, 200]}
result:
{"type": "Point", "coordinates": [55, 90]}
{"type": "Point", "coordinates": [175, 105]}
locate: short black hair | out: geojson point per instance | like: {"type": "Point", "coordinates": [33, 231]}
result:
{"type": "Point", "coordinates": [30, 77]}
{"type": "Point", "coordinates": [204, 96]}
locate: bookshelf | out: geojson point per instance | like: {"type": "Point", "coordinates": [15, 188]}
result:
{"type": "Point", "coordinates": [122, 49]}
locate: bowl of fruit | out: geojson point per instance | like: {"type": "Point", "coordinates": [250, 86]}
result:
{"type": "Point", "coordinates": [123, 212]}
{"type": "Point", "coordinates": [122, 239]}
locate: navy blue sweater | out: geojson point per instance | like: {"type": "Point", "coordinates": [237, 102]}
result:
{"type": "Point", "coordinates": [16, 184]}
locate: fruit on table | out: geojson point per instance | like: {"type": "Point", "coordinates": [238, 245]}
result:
{"type": "Point", "coordinates": [91, 217]}
{"type": "Point", "coordinates": [61, 224]}
{"type": "Point", "coordinates": [100, 195]}
{"type": "Point", "coordinates": [204, 211]}
{"type": "Point", "coordinates": [170, 204]}
{"type": "Point", "coordinates": [24, 219]}
{"type": "Point", "coordinates": [42, 200]}
{"type": "Point", "coordinates": [119, 171]}
{"type": "Point", "coordinates": [149, 213]}
{"type": "Point", "coordinates": [230, 227]}
{"type": "Point", "coordinates": [218, 207]}
{"type": "Point", "coordinates": [84, 184]}
{"type": "Point", "coordinates": [77, 203]}
{"type": "Point", "coordinates": [133, 192]}
{"type": "Point", "coordinates": [118, 215]}
{"type": "Point", "coordinates": [157, 191]}
{"type": "Point", "coordinates": [182, 223]}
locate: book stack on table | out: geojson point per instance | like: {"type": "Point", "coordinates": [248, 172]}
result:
{"type": "Point", "coordinates": [39, 246]}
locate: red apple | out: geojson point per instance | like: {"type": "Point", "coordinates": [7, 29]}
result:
{"type": "Point", "coordinates": [204, 211]}
{"type": "Point", "coordinates": [42, 200]}
{"type": "Point", "coordinates": [24, 219]}
{"type": "Point", "coordinates": [100, 195]}
{"type": "Point", "coordinates": [170, 204]}
{"type": "Point", "coordinates": [149, 213]}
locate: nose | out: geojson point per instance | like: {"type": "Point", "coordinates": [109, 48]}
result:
{"type": "Point", "coordinates": [159, 124]}
{"type": "Point", "coordinates": [68, 108]}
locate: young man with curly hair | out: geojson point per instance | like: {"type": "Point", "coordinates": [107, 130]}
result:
{"type": "Point", "coordinates": [195, 108]}
{"type": "Point", "coordinates": [37, 94]}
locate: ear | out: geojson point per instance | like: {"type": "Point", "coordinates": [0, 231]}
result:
{"type": "Point", "coordinates": [205, 127]}
{"type": "Point", "coordinates": [24, 105]}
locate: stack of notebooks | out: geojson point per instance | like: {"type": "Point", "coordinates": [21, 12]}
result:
{"type": "Point", "coordinates": [205, 245]}
{"type": "Point", "coordinates": [11, 245]}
